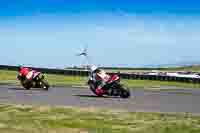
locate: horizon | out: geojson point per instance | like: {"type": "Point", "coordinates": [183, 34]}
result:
{"type": "Point", "coordinates": [118, 33]}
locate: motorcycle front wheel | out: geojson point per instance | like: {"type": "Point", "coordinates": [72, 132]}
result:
{"type": "Point", "coordinates": [27, 85]}
{"type": "Point", "coordinates": [44, 84]}
{"type": "Point", "coordinates": [125, 92]}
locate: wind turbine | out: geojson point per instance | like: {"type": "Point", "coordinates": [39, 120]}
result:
{"type": "Point", "coordinates": [84, 53]}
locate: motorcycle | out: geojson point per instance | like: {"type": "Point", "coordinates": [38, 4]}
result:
{"type": "Point", "coordinates": [38, 81]}
{"type": "Point", "coordinates": [113, 87]}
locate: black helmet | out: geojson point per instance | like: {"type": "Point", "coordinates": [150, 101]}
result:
{"type": "Point", "coordinates": [97, 70]}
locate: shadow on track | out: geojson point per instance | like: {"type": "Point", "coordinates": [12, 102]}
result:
{"type": "Point", "coordinates": [94, 96]}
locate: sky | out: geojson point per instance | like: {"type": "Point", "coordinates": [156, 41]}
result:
{"type": "Point", "coordinates": [126, 33]}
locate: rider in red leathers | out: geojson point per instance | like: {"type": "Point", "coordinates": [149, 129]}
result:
{"type": "Point", "coordinates": [100, 76]}
{"type": "Point", "coordinates": [25, 74]}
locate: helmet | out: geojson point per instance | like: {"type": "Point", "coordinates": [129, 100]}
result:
{"type": "Point", "coordinates": [93, 68]}
{"type": "Point", "coordinates": [20, 67]}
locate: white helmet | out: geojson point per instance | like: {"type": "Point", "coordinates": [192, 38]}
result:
{"type": "Point", "coordinates": [93, 68]}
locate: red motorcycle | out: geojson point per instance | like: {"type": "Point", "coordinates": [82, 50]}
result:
{"type": "Point", "coordinates": [113, 87]}
{"type": "Point", "coordinates": [38, 81]}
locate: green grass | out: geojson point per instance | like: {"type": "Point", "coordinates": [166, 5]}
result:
{"type": "Point", "coordinates": [43, 119]}
{"type": "Point", "coordinates": [9, 77]}
{"type": "Point", "coordinates": [149, 84]}
{"type": "Point", "coordinates": [62, 80]}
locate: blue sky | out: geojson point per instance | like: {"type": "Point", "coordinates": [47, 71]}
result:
{"type": "Point", "coordinates": [49, 33]}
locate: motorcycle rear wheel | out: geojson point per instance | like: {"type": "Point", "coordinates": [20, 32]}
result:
{"type": "Point", "coordinates": [27, 86]}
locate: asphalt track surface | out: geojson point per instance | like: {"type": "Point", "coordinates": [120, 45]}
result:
{"type": "Point", "coordinates": [167, 100]}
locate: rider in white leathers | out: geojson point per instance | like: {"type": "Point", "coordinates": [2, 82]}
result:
{"type": "Point", "coordinates": [99, 75]}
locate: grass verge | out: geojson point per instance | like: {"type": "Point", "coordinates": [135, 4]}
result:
{"type": "Point", "coordinates": [9, 77]}
{"type": "Point", "coordinates": [43, 119]}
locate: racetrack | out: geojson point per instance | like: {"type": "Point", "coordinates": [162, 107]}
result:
{"type": "Point", "coordinates": [167, 100]}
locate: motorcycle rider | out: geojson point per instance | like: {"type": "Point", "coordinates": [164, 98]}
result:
{"type": "Point", "coordinates": [25, 74]}
{"type": "Point", "coordinates": [100, 76]}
